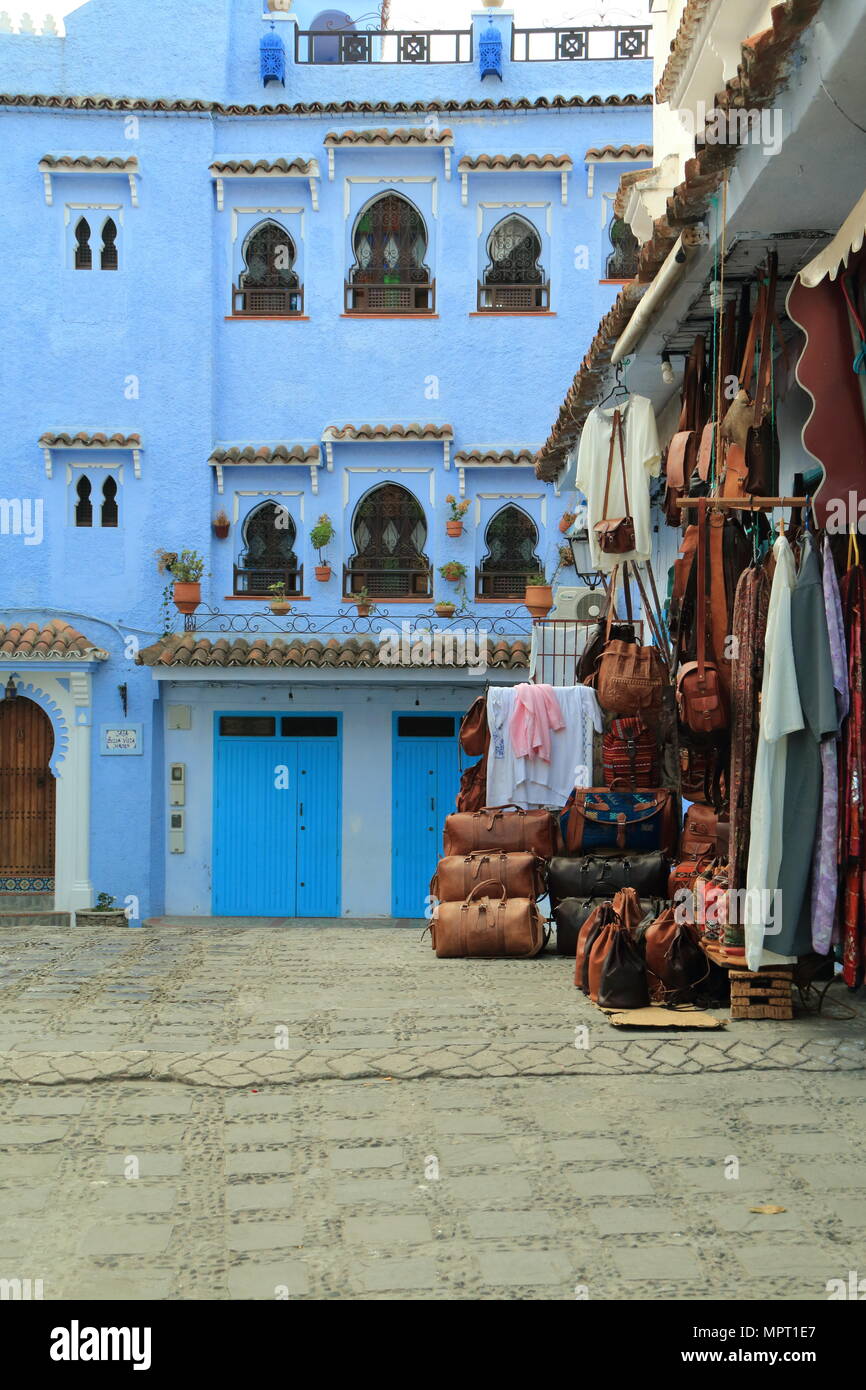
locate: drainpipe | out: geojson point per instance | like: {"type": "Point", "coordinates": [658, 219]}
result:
{"type": "Point", "coordinates": [671, 273]}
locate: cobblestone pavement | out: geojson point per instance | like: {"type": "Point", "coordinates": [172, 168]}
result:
{"type": "Point", "coordinates": [449, 1141]}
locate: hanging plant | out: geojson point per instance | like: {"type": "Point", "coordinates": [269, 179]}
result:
{"type": "Point", "coordinates": [453, 571]}
{"type": "Point", "coordinates": [221, 525]}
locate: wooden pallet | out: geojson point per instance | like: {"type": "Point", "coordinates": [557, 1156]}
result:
{"type": "Point", "coordinates": [764, 993]}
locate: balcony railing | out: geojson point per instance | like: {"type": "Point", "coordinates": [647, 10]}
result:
{"type": "Point", "coordinates": [267, 302]}
{"type": "Point", "coordinates": [258, 581]}
{"type": "Point", "coordinates": [402, 298]}
{"type": "Point", "coordinates": [388, 583]}
{"type": "Point", "coordinates": [383, 46]}
{"type": "Point", "coordinates": [525, 299]}
{"type": "Point", "coordinates": [504, 586]}
{"type": "Point", "coordinates": [581, 44]}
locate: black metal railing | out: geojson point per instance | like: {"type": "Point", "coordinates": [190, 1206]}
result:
{"type": "Point", "coordinates": [581, 44]}
{"type": "Point", "coordinates": [388, 583]}
{"type": "Point", "coordinates": [259, 581]}
{"type": "Point", "coordinates": [348, 622]}
{"type": "Point", "coordinates": [383, 46]}
{"type": "Point", "coordinates": [524, 299]}
{"type": "Point", "coordinates": [401, 298]}
{"type": "Point", "coordinates": [265, 302]}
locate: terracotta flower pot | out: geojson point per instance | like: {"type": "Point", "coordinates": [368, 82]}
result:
{"type": "Point", "coordinates": [538, 599]}
{"type": "Point", "coordinates": [280, 607]}
{"type": "Point", "coordinates": [454, 528]}
{"type": "Point", "coordinates": [323, 573]}
{"type": "Point", "coordinates": [89, 917]}
{"type": "Point", "coordinates": [566, 522]}
{"type": "Point", "coordinates": [186, 596]}
{"type": "Point", "coordinates": [452, 578]}
{"type": "Point", "coordinates": [363, 609]}
{"type": "Point", "coordinates": [221, 530]}
{"type": "Point", "coordinates": [445, 610]}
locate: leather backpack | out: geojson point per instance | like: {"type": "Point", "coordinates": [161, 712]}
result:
{"type": "Point", "coordinates": [625, 915]}
{"type": "Point", "coordinates": [682, 452]}
{"type": "Point", "coordinates": [586, 938]}
{"type": "Point", "coordinates": [700, 833]}
{"type": "Point", "coordinates": [474, 733]}
{"type": "Point", "coordinates": [675, 962]}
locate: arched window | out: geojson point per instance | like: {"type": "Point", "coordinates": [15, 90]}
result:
{"type": "Point", "coordinates": [513, 278]}
{"type": "Point", "coordinates": [83, 505]}
{"type": "Point", "coordinates": [268, 556]}
{"type": "Point", "coordinates": [390, 532]}
{"type": "Point", "coordinates": [389, 244]}
{"type": "Point", "coordinates": [108, 515]}
{"type": "Point", "coordinates": [330, 46]}
{"type": "Point", "coordinates": [622, 262]}
{"type": "Point", "coordinates": [83, 253]}
{"type": "Point", "coordinates": [269, 284]}
{"type": "Point", "coordinates": [108, 255]}
{"type": "Point", "coordinates": [511, 539]}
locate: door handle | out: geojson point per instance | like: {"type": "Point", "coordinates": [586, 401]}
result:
{"type": "Point", "coordinates": [300, 808]}
{"type": "Point", "coordinates": [432, 803]}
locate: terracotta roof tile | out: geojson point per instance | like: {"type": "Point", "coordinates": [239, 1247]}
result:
{"type": "Point", "coordinates": [465, 458]}
{"type": "Point", "coordinates": [354, 653]}
{"type": "Point", "coordinates": [55, 101]}
{"type": "Point", "coordinates": [681, 46]}
{"type": "Point", "coordinates": [479, 162]}
{"type": "Point", "coordinates": [58, 163]}
{"type": "Point", "coordinates": [266, 453]}
{"type": "Point", "coordinates": [83, 440]}
{"type": "Point", "coordinates": [620, 152]}
{"type": "Point", "coordinates": [411, 431]}
{"type": "Point", "coordinates": [403, 135]}
{"type": "Point", "coordinates": [308, 168]}
{"type": "Point", "coordinates": [54, 640]}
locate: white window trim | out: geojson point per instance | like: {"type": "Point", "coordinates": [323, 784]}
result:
{"type": "Point", "coordinates": [386, 183]}
{"type": "Point", "coordinates": [373, 470]}
{"type": "Point", "coordinates": [116, 469]}
{"type": "Point", "coordinates": [312, 177]}
{"type": "Point", "coordinates": [49, 450]}
{"type": "Point", "coordinates": [511, 497]}
{"type": "Point", "coordinates": [268, 212]}
{"type": "Point", "coordinates": [266, 493]}
{"type": "Point", "coordinates": [487, 207]}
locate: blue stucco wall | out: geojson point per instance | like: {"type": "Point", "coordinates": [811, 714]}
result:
{"type": "Point", "coordinates": [149, 349]}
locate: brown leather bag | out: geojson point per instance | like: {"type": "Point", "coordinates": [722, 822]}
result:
{"type": "Point", "coordinates": [474, 733]}
{"type": "Point", "coordinates": [473, 786]}
{"type": "Point", "coordinates": [630, 680]}
{"type": "Point", "coordinates": [675, 962]}
{"type": "Point", "coordinates": [519, 874]}
{"type": "Point", "coordinates": [598, 918]}
{"type": "Point", "coordinates": [625, 915]}
{"type": "Point", "coordinates": [488, 925]}
{"type": "Point", "coordinates": [698, 838]}
{"type": "Point", "coordinates": [682, 452]}
{"type": "Point", "coordinates": [615, 536]}
{"type": "Point", "coordinates": [501, 827]}
{"type": "Point", "coordinates": [701, 699]}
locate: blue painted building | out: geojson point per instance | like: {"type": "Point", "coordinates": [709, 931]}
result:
{"type": "Point", "coordinates": [264, 268]}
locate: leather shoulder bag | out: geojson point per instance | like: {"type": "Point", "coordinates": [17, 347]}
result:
{"type": "Point", "coordinates": [701, 703]}
{"type": "Point", "coordinates": [615, 536]}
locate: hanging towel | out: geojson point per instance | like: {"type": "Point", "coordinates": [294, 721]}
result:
{"type": "Point", "coordinates": [536, 714]}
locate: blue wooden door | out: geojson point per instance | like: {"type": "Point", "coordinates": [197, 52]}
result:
{"type": "Point", "coordinates": [276, 816]}
{"type": "Point", "coordinates": [426, 779]}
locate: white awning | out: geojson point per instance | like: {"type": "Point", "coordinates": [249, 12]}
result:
{"type": "Point", "coordinates": [838, 252]}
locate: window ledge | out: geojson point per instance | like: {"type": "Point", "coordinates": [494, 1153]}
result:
{"type": "Point", "coordinates": [267, 318]}
{"type": "Point", "coordinates": [502, 602]}
{"type": "Point", "coordinates": [513, 314]}
{"type": "Point", "coordinates": [419, 601]}
{"type": "Point", "coordinates": [400, 318]}
{"type": "Point", "coordinates": [263, 598]}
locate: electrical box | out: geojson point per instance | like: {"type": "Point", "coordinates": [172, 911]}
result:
{"type": "Point", "coordinates": [177, 785]}
{"type": "Point", "coordinates": [179, 716]}
{"type": "Point", "coordinates": [176, 833]}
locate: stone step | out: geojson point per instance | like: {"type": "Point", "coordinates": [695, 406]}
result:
{"type": "Point", "coordinates": [27, 902]}
{"type": "Point", "coordinates": [45, 918]}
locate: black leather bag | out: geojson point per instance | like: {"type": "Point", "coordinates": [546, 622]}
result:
{"type": "Point", "coordinates": [571, 914]}
{"type": "Point", "coordinates": [602, 875]}
{"type": "Point", "coordinates": [623, 978]}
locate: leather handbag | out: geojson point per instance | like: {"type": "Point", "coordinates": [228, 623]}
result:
{"type": "Point", "coordinates": [474, 733]}
{"type": "Point", "coordinates": [602, 875]}
{"type": "Point", "coordinates": [598, 918]}
{"type": "Point", "coordinates": [701, 699]}
{"type": "Point", "coordinates": [630, 680]}
{"type": "Point", "coordinates": [592, 652]}
{"type": "Point", "coordinates": [615, 536]}
{"type": "Point", "coordinates": [572, 913]}
{"type": "Point", "coordinates": [625, 916]}
{"type": "Point", "coordinates": [762, 440]}
{"type": "Point", "coordinates": [629, 751]}
{"type": "Point", "coordinates": [699, 833]}
{"type": "Point", "coordinates": [520, 874]}
{"type": "Point", "coordinates": [675, 962]}
{"type": "Point", "coordinates": [501, 827]}
{"type": "Point", "coordinates": [488, 925]}
{"type": "Point", "coordinates": [684, 874]}
{"type": "Point", "coordinates": [473, 786]}
{"type": "Point", "coordinates": [606, 818]}
{"type": "Point", "coordinates": [682, 452]}
{"type": "Point", "coordinates": [623, 981]}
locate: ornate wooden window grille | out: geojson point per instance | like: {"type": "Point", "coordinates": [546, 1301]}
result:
{"type": "Point", "coordinates": [83, 253]}
{"type": "Point", "coordinates": [513, 278]}
{"type": "Point", "coordinates": [268, 557]}
{"type": "Point", "coordinates": [390, 532]}
{"type": "Point", "coordinates": [390, 245]}
{"type": "Point", "coordinates": [511, 539]}
{"type": "Point", "coordinates": [622, 263]}
{"type": "Point", "coordinates": [269, 286]}
{"type": "Point", "coordinates": [83, 504]}
{"type": "Point", "coordinates": [108, 511]}
{"type": "Point", "coordinates": [108, 258]}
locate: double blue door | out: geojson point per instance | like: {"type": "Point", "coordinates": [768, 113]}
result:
{"type": "Point", "coordinates": [276, 818]}
{"type": "Point", "coordinates": [425, 779]}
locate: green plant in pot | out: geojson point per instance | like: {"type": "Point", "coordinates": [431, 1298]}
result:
{"type": "Point", "coordinates": [104, 913]}
{"type": "Point", "coordinates": [453, 571]}
{"type": "Point", "coordinates": [445, 608]}
{"type": "Point", "coordinates": [280, 605]}
{"type": "Point", "coordinates": [539, 595]}
{"type": "Point", "coordinates": [185, 569]}
{"type": "Point", "coordinates": [321, 536]}
{"type": "Point", "coordinates": [363, 603]}
{"type": "Point", "coordinates": [221, 525]}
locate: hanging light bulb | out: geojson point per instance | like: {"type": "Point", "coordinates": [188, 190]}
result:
{"type": "Point", "coordinates": [667, 369]}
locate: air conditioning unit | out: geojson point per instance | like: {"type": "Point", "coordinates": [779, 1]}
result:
{"type": "Point", "coordinates": [578, 603]}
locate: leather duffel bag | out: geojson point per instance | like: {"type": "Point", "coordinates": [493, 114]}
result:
{"type": "Point", "coordinates": [501, 827]}
{"type": "Point", "coordinates": [607, 818]}
{"type": "Point", "coordinates": [602, 875]}
{"type": "Point", "coordinates": [571, 915]}
{"type": "Point", "coordinates": [519, 873]}
{"type": "Point", "coordinates": [488, 925]}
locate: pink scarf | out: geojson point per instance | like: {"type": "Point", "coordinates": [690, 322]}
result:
{"type": "Point", "coordinates": [536, 713]}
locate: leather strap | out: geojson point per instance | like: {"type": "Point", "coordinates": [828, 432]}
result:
{"type": "Point", "coordinates": [718, 598]}
{"type": "Point", "coordinates": [615, 433]}
{"type": "Point", "coordinates": [701, 614]}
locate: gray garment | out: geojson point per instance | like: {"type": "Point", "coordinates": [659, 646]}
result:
{"type": "Point", "coordinates": [814, 666]}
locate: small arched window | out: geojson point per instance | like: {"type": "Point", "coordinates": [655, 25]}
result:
{"type": "Point", "coordinates": [269, 284]}
{"type": "Point", "coordinates": [108, 255]}
{"type": "Point", "coordinates": [268, 556]}
{"type": "Point", "coordinates": [622, 263]}
{"type": "Point", "coordinates": [83, 504]}
{"type": "Point", "coordinates": [389, 243]}
{"type": "Point", "coordinates": [329, 44]}
{"type": "Point", "coordinates": [511, 539]}
{"type": "Point", "coordinates": [83, 253]}
{"type": "Point", "coordinates": [513, 279]}
{"type": "Point", "coordinates": [108, 512]}
{"type": "Point", "coordinates": [389, 531]}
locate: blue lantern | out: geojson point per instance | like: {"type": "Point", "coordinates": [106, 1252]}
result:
{"type": "Point", "coordinates": [490, 52]}
{"type": "Point", "coordinates": [273, 56]}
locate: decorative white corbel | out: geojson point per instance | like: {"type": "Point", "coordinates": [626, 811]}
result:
{"type": "Point", "coordinates": [590, 179]}
{"type": "Point", "coordinates": [565, 185]}
{"type": "Point", "coordinates": [464, 190]}
{"type": "Point", "coordinates": [136, 463]}
{"type": "Point", "coordinates": [329, 454]}
{"type": "Point", "coordinates": [49, 191]}
{"type": "Point", "coordinates": [219, 478]}
{"type": "Point", "coordinates": [314, 478]}
{"type": "Point", "coordinates": [330, 164]}
{"type": "Point", "coordinates": [446, 450]}
{"type": "Point", "coordinates": [448, 163]}
{"type": "Point", "coordinates": [220, 194]}
{"type": "Point", "coordinates": [49, 463]}
{"type": "Point", "coordinates": [314, 194]}
{"type": "Point", "coordinates": [133, 190]}
{"type": "Point", "coordinates": [461, 473]}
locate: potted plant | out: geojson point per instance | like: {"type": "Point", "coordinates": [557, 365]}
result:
{"type": "Point", "coordinates": [321, 535]}
{"type": "Point", "coordinates": [280, 605]}
{"type": "Point", "coordinates": [454, 524]}
{"type": "Point", "coordinates": [444, 608]}
{"type": "Point", "coordinates": [221, 525]}
{"type": "Point", "coordinates": [453, 571]}
{"type": "Point", "coordinates": [186, 569]}
{"type": "Point", "coordinates": [105, 913]}
{"type": "Point", "coordinates": [566, 521]}
{"type": "Point", "coordinates": [363, 603]}
{"type": "Point", "coordinates": [539, 595]}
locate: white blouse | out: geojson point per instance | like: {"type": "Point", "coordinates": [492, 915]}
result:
{"type": "Point", "coordinates": [642, 462]}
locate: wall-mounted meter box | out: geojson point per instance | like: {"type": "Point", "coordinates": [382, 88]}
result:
{"type": "Point", "coordinates": [177, 784]}
{"type": "Point", "coordinates": [176, 833]}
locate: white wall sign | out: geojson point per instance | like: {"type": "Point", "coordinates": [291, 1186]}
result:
{"type": "Point", "coordinates": [120, 739]}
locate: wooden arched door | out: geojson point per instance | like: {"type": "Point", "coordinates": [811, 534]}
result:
{"type": "Point", "coordinates": [26, 794]}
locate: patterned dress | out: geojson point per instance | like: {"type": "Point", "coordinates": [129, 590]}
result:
{"type": "Point", "coordinates": [851, 781]}
{"type": "Point", "coordinates": [751, 604]}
